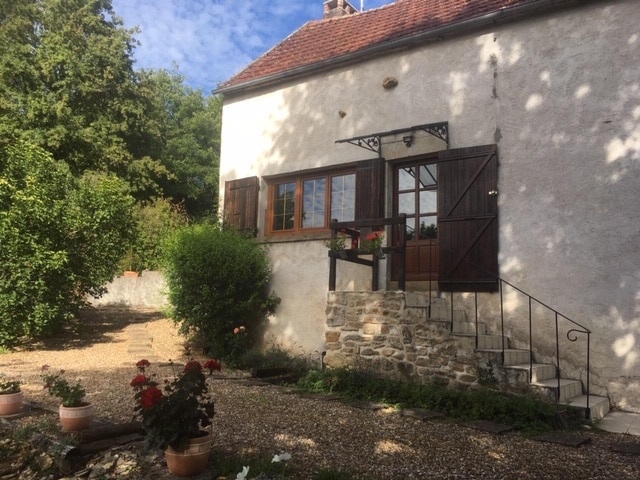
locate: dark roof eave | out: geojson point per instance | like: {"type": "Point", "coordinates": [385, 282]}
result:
{"type": "Point", "coordinates": [500, 16]}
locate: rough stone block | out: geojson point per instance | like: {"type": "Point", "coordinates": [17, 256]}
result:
{"type": "Point", "coordinates": [370, 329]}
{"type": "Point", "coordinates": [467, 379]}
{"type": "Point", "coordinates": [332, 336]}
{"type": "Point", "coordinates": [368, 352]}
{"type": "Point", "coordinates": [335, 322]}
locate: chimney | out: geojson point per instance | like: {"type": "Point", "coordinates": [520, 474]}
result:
{"type": "Point", "coordinates": [338, 8]}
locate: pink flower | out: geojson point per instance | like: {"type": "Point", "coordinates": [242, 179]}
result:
{"type": "Point", "coordinates": [236, 331]}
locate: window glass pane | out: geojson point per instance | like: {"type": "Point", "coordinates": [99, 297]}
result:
{"type": "Point", "coordinates": [406, 178]}
{"type": "Point", "coordinates": [284, 206]}
{"type": "Point", "coordinates": [411, 231]}
{"type": "Point", "coordinates": [428, 201]}
{"type": "Point", "coordinates": [313, 202]}
{"type": "Point", "coordinates": [428, 175]}
{"type": "Point", "coordinates": [407, 203]}
{"type": "Point", "coordinates": [343, 197]}
{"type": "Point", "coordinates": [429, 227]}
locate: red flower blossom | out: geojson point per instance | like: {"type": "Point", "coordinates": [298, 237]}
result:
{"type": "Point", "coordinates": [139, 381]}
{"type": "Point", "coordinates": [150, 397]}
{"type": "Point", "coordinates": [192, 365]}
{"type": "Point", "coordinates": [212, 365]}
{"type": "Point", "coordinates": [374, 235]}
{"type": "Point", "coordinates": [143, 363]}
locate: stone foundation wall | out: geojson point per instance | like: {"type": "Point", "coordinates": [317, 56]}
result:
{"type": "Point", "coordinates": [382, 331]}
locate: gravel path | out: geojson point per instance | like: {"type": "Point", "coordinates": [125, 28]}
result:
{"type": "Point", "coordinates": [319, 433]}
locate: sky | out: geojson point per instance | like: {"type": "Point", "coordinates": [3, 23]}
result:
{"type": "Point", "coordinates": [212, 40]}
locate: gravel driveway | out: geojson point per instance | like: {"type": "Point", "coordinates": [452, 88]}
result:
{"type": "Point", "coordinates": [318, 432]}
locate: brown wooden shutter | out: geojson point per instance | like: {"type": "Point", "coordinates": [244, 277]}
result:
{"type": "Point", "coordinates": [468, 218]}
{"type": "Point", "coordinates": [370, 189]}
{"type": "Point", "coordinates": [241, 204]}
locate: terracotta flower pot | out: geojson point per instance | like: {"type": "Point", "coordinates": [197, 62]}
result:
{"type": "Point", "coordinates": [10, 403]}
{"type": "Point", "coordinates": [192, 460]}
{"type": "Point", "coordinates": [76, 418]}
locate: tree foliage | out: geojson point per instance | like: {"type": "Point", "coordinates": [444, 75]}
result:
{"type": "Point", "coordinates": [218, 280]}
{"type": "Point", "coordinates": [99, 135]}
{"type": "Point", "coordinates": [191, 127]}
{"type": "Point", "coordinates": [67, 84]}
{"type": "Point", "coordinates": [61, 237]}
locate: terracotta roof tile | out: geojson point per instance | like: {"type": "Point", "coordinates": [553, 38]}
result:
{"type": "Point", "coordinates": [326, 39]}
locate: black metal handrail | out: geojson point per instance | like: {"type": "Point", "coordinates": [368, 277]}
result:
{"type": "Point", "coordinates": [576, 328]}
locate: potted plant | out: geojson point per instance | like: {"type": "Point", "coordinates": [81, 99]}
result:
{"type": "Point", "coordinates": [372, 243]}
{"type": "Point", "coordinates": [75, 412]}
{"type": "Point", "coordinates": [176, 416]}
{"type": "Point", "coordinates": [338, 245]}
{"type": "Point", "coordinates": [10, 396]}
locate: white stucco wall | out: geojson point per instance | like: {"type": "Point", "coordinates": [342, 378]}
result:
{"type": "Point", "coordinates": [560, 95]}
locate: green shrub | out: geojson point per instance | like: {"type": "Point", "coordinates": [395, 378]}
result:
{"type": "Point", "coordinates": [524, 413]}
{"type": "Point", "coordinates": [155, 222]}
{"type": "Point", "coordinates": [218, 281]}
{"type": "Point", "coordinates": [61, 240]}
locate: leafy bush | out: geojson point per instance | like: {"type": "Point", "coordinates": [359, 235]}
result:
{"type": "Point", "coordinates": [61, 239]}
{"type": "Point", "coordinates": [156, 221]}
{"type": "Point", "coordinates": [274, 357]}
{"type": "Point", "coordinates": [218, 281]}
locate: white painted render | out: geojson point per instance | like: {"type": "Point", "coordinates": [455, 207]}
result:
{"type": "Point", "coordinates": [559, 94]}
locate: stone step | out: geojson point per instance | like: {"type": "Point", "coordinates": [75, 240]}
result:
{"type": "Point", "coordinates": [512, 356]}
{"type": "Point", "coordinates": [492, 342]}
{"type": "Point", "coordinates": [568, 388]}
{"type": "Point", "coordinates": [598, 406]}
{"type": "Point", "coordinates": [469, 328]}
{"type": "Point", "coordinates": [539, 371]}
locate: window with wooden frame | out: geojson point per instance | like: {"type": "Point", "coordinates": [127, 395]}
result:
{"type": "Point", "coordinates": [306, 203]}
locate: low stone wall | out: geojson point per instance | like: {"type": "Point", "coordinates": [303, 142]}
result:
{"type": "Point", "coordinates": [144, 291]}
{"type": "Point", "coordinates": [382, 331]}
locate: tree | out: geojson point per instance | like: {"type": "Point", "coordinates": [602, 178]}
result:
{"type": "Point", "coordinates": [61, 239]}
{"type": "Point", "coordinates": [67, 85]}
{"type": "Point", "coordinates": [190, 125]}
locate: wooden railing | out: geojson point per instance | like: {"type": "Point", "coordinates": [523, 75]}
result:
{"type": "Point", "coordinates": [357, 230]}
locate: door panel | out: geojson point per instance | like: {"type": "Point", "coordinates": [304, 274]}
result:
{"type": "Point", "coordinates": [468, 218]}
{"type": "Point", "coordinates": [415, 194]}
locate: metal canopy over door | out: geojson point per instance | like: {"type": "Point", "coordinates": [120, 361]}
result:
{"type": "Point", "coordinates": [468, 218]}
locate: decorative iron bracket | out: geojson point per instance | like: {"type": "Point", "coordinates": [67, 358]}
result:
{"type": "Point", "coordinates": [373, 142]}
{"type": "Point", "coordinates": [438, 130]}
{"type": "Point", "coordinates": [368, 142]}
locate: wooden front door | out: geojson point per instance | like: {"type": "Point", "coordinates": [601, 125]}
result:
{"type": "Point", "coordinates": [416, 194]}
{"type": "Point", "coordinates": [468, 218]}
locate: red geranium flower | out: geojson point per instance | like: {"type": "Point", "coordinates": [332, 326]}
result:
{"type": "Point", "coordinates": [192, 365]}
{"type": "Point", "coordinates": [139, 381]}
{"type": "Point", "coordinates": [212, 365]}
{"type": "Point", "coordinates": [150, 397]}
